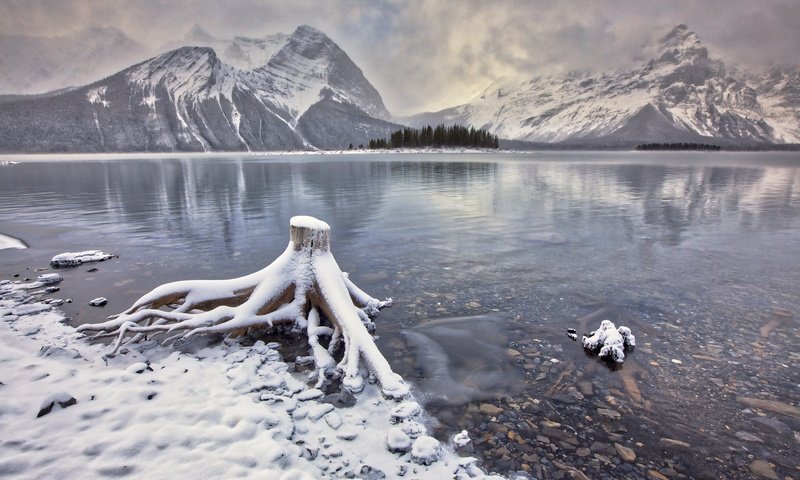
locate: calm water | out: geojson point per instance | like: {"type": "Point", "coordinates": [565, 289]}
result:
{"type": "Point", "coordinates": [490, 258]}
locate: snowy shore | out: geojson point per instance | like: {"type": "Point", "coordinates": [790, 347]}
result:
{"type": "Point", "coordinates": [223, 411]}
{"type": "Point", "coordinates": [49, 157]}
{"type": "Point", "coordinates": [11, 242]}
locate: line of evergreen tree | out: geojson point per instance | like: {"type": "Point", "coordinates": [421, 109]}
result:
{"type": "Point", "coordinates": [677, 146]}
{"type": "Point", "coordinates": [440, 136]}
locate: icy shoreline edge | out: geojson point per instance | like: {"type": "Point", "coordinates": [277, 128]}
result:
{"type": "Point", "coordinates": [225, 410]}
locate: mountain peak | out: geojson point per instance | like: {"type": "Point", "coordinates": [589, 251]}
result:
{"type": "Point", "coordinates": [680, 44]}
{"type": "Point", "coordinates": [198, 34]}
{"type": "Point", "coordinates": [308, 30]}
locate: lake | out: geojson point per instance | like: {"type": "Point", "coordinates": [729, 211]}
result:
{"type": "Point", "coordinates": [490, 258]}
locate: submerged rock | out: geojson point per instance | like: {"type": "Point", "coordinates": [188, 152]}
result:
{"type": "Point", "coordinates": [763, 469]}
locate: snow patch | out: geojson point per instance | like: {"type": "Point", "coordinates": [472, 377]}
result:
{"type": "Point", "coordinates": [11, 242]}
{"type": "Point", "coordinates": [96, 96]}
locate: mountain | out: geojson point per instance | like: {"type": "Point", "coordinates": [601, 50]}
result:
{"type": "Point", "coordinates": [188, 99]}
{"type": "Point", "coordinates": [241, 52]}
{"type": "Point", "coordinates": [680, 95]}
{"type": "Point", "coordinates": [33, 65]}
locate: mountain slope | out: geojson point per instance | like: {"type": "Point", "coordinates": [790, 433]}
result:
{"type": "Point", "coordinates": [681, 94]}
{"type": "Point", "coordinates": [188, 99]}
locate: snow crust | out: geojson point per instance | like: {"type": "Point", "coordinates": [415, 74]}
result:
{"type": "Point", "coordinates": [222, 411]}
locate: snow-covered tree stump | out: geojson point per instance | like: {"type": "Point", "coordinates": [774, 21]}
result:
{"type": "Point", "coordinates": [304, 287]}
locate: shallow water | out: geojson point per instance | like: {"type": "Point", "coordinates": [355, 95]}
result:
{"type": "Point", "coordinates": [699, 253]}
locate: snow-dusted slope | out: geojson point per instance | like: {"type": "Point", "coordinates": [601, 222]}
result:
{"type": "Point", "coordinates": [189, 99]}
{"type": "Point", "coordinates": [681, 94]}
{"type": "Point", "coordinates": [779, 94]}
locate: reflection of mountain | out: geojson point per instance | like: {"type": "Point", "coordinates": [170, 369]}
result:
{"type": "Point", "coordinates": [660, 202]}
{"type": "Point", "coordinates": [235, 203]}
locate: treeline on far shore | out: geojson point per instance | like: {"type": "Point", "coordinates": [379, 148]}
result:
{"type": "Point", "coordinates": [678, 146]}
{"type": "Point", "coordinates": [440, 136]}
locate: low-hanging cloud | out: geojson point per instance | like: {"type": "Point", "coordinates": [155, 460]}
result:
{"type": "Point", "coordinates": [426, 54]}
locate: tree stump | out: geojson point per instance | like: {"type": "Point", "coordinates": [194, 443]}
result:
{"type": "Point", "coordinates": [303, 287]}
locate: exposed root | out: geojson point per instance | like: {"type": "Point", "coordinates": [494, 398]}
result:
{"type": "Point", "coordinates": [303, 287]}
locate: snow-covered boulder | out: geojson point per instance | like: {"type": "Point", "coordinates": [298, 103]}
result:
{"type": "Point", "coordinates": [397, 441]}
{"type": "Point", "coordinates": [405, 410]}
{"type": "Point", "coordinates": [98, 302]}
{"type": "Point", "coordinates": [426, 450]}
{"type": "Point", "coordinates": [610, 340]}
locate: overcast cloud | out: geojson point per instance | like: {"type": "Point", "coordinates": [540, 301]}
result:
{"type": "Point", "coordinates": [426, 54]}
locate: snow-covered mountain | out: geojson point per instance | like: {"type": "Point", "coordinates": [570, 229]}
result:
{"type": "Point", "coordinates": [308, 94]}
{"type": "Point", "coordinates": [241, 52]}
{"type": "Point", "coordinates": [681, 94]}
{"type": "Point", "coordinates": [32, 65]}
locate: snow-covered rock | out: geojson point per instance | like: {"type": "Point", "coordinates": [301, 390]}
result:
{"type": "Point", "coordinates": [426, 450]}
{"type": "Point", "coordinates": [71, 259]}
{"type": "Point", "coordinates": [610, 340]}
{"type": "Point", "coordinates": [397, 441]}
{"type": "Point", "coordinates": [62, 399]}
{"type": "Point", "coordinates": [405, 411]}
{"type": "Point", "coordinates": [461, 439]}
{"type": "Point", "coordinates": [98, 302]}
{"type": "Point", "coordinates": [49, 278]}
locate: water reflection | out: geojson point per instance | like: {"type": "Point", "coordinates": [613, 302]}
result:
{"type": "Point", "coordinates": [698, 254]}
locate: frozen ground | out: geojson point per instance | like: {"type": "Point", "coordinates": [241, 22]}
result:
{"type": "Point", "coordinates": [224, 411]}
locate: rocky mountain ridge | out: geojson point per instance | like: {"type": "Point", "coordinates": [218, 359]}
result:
{"type": "Point", "coordinates": [681, 94]}
{"type": "Point", "coordinates": [188, 99]}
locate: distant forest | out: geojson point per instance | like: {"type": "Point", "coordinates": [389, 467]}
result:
{"type": "Point", "coordinates": [440, 136]}
{"type": "Point", "coordinates": [677, 146]}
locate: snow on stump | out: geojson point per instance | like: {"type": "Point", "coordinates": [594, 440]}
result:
{"type": "Point", "coordinates": [610, 340]}
{"type": "Point", "coordinates": [303, 288]}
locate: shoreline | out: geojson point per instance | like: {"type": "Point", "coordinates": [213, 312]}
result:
{"type": "Point", "coordinates": [152, 407]}
{"type": "Point", "coordinates": [9, 242]}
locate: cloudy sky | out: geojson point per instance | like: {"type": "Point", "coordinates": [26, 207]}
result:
{"type": "Point", "coordinates": [428, 54]}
